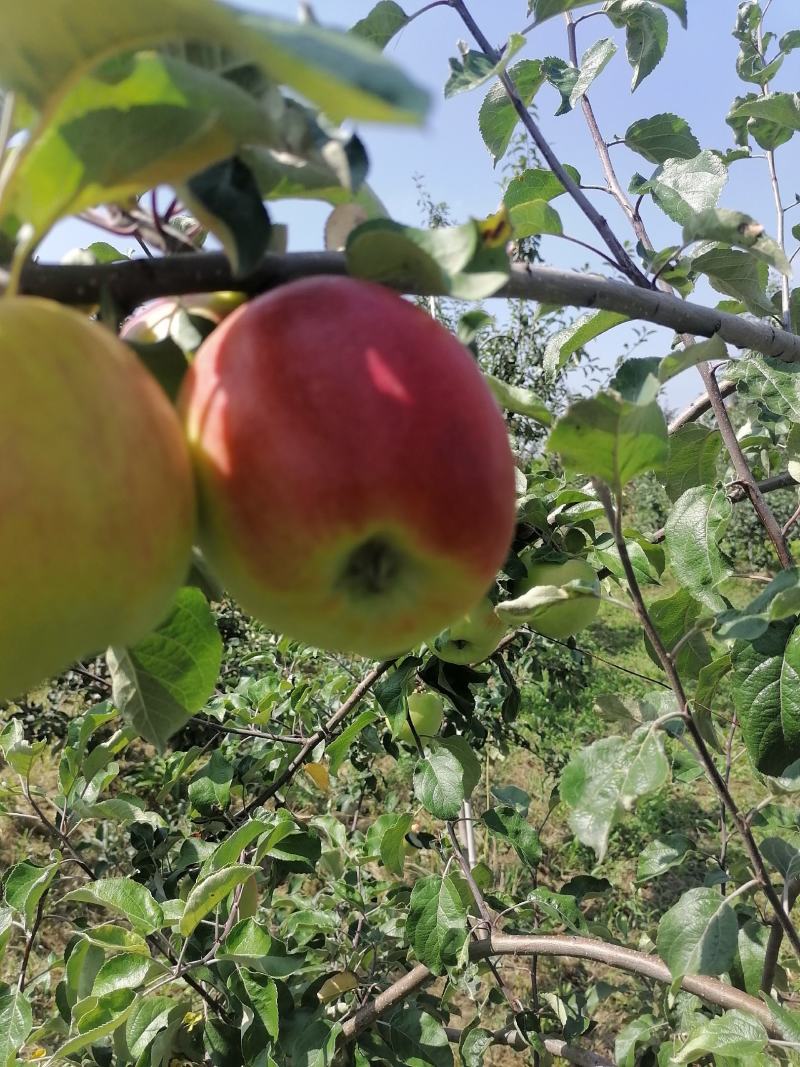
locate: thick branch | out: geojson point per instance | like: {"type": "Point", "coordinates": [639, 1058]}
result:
{"type": "Point", "coordinates": [708, 989]}
{"type": "Point", "coordinates": [133, 281]}
{"type": "Point", "coordinates": [699, 407]}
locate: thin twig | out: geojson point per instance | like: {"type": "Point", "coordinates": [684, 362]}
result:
{"type": "Point", "coordinates": [321, 734]}
{"type": "Point", "coordinates": [618, 253]}
{"type": "Point", "coordinates": [614, 515]}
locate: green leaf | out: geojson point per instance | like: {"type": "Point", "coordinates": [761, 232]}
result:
{"type": "Point", "coordinates": [475, 68]}
{"type": "Point", "coordinates": [636, 1033]}
{"type": "Point", "coordinates": [308, 1041]}
{"type": "Point", "coordinates": [227, 200]}
{"type": "Point", "coordinates": [386, 838]}
{"type": "Point", "coordinates": [436, 927]}
{"type": "Point", "coordinates": [690, 356]}
{"type": "Point", "coordinates": [732, 1034]}
{"type": "Point", "coordinates": [636, 380]}
{"type": "Point", "coordinates": [150, 1016]}
{"type": "Point", "coordinates": [662, 137]}
{"type": "Point", "coordinates": [536, 183]}
{"type": "Point", "coordinates": [210, 789]}
{"type": "Point", "coordinates": [124, 971]}
{"type": "Point", "coordinates": [765, 683]}
{"type": "Point", "coordinates": [546, 9]}
{"type": "Point", "coordinates": [661, 855]}
{"type": "Point", "coordinates": [229, 849]}
{"type": "Point", "coordinates": [519, 400]}
{"type": "Point", "coordinates": [738, 275]}
{"type": "Point", "coordinates": [751, 953]}
{"type": "Point", "coordinates": [16, 1021]}
{"type": "Point", "coordinates": [788, 1021]}
{"type": "Point", "coordinates": [210, 891]}
{"type": "Point", "coordinates": [774, 384]}
{"type": "Point", "coordinates": [444, 259]}
{"type": "Point", "coordinates": [772, 119]}
{"type": "Point", "coordinates": [736, 228]}
{"type": "Point", "coordinates": [337, 750]}
{"type": "Point", "coordinates": [674, 617]}
{"type": "Point", "coordinates": [131, 125]}
{"type": "Point", "coordinates": [125, 897]}
{"type": "Point", "coordinates": [562, 76]}
{"type": "Point", "coordinates": [383, 22]}
{"type": "Point", "coordinates": [105, 1016]}
{"type": "Point", "coordinates": [610, 438]}
{"type": "Point", "coordinates": [24, 886]}
{"type": "Point", "coordinates": [439, 783]}
{"type": "Point", "coordinates": [167, 677]}
{"type": "Point", "coordinates": [535, 217]}
{"type": "Point", "coordinates": [693, 454]}
{"type": "Point", "coordinates": [343, 75]}
{"type": "Point", "coordinates": [780, 599]}
{"type": "Point", "coordinates": [698, 934]}
{"type": "Point", "coordinates": [605, 779]}
{"type": "Point", "coordinates": [458, 746]}
{"type": "Point", "coordinates": [510, 824]}
{"type": "Point", "coordinates": [646, 34]}
{"type": "Point", "coordinates": [418, 1040]}
{"type": "Point", "coordinates": [684, 187]}
{"type": "Point", "coordinates": [593, 62]}
{"type": "Point", "coordinates": [694, 529]}
{"type": "Point", "coordinates": [112, 938]}
{"type": "Point", "coordinates": [474, 1044]}
{"type": "Point", "coordinates": [263, 996]}
{"type": "Point", "coordinates": [497, 118]}
{"type": "Point", "coordinates": [566, 342]}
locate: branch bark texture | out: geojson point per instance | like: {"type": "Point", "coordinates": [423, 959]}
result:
{"type": "Point", "coordinates": [133, 281]}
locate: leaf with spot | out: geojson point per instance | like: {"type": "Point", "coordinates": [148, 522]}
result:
{"type": "Point", "coordinates": [736, 228]}
{"type": "Point", "coordinates": [733, 1035]}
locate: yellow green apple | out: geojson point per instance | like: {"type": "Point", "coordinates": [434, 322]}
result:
{"type": "Point", "coordinates": [96, 493]}
{"type": "Point", "coordinates": [356, 481]}
{"type": "Point", "coordinates": [558, 618]}
{"type": "Point", "coordinates": [473, 638]}
{"type": "Point", "coordinates": [426, 712]}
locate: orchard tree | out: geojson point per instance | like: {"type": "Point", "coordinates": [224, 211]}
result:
{"type": "Point", "coordinates": [276, 838]}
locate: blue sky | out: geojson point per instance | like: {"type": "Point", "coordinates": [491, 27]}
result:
{"type": "Point", "coordinates": [696, 80]}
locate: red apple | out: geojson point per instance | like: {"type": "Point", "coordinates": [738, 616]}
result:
{"type": "Point", "coordinates": [356, 481]}
{"type": "Point", "coordinates": [96, 493]}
